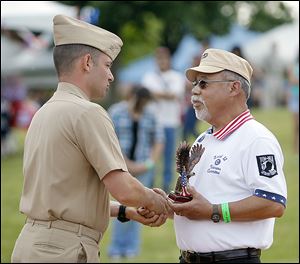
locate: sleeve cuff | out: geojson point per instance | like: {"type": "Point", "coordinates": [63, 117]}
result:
{"type": "Point", "coordinates": [270, 196]}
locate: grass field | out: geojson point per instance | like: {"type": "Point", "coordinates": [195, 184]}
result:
{"type": "Point", "coordinates": [159, 244]}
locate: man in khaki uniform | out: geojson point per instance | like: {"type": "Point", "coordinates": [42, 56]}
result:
{"type": "Point", "coordinates": [72, 158]}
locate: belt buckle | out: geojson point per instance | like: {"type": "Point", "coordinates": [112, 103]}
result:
{"type": "Point", "coordinates": [192, 257]}
{"type": "Point", "coordinates": [185, 255]}
{"type": "Point", "coordinates": [202, 258]}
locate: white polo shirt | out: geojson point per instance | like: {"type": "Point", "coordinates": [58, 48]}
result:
{"type": "Point", "coordinates": [167, 111]}
{"type": "Point", "coordinates": [240, 160]}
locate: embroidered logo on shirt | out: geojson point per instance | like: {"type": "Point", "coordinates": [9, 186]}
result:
{"type": "Point", "coordinates": [208, 131]}
{"type": "Point", "coordinates": [213, 168]}
{"type": "Point", "coordinates": [266, 165]}
{"type": "Point", "coordinates": [217, 162]}
{"type": "Point", "coordinates": [201, 139]}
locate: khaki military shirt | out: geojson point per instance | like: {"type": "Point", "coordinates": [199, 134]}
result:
{"type": "Point", "coordinates": [69, 147]}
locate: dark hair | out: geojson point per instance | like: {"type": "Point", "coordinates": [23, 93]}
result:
{"type": "Point", "coordinates": [64, 56]}
{"type": "Point", "coordinates": [142, 95]}
{"type": "Point", "coordinates": [237, 51]}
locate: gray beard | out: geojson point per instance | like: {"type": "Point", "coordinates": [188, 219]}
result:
{"type": "Point", "coordinates": [202, 114]}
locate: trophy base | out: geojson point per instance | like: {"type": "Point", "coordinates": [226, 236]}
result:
{"type": "Point", "coordinates": [177, 198]}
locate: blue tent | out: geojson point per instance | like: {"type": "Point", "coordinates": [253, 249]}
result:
{"type": "Point", "coordinates": [238, 36]}
{"type": "Point", "coordinates": [188, 47]}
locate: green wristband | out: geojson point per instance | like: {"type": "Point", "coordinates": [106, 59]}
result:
{"type": "Point", "coordinates": [149, 164]}
{"type": "Point", "coordinates": [225, 212]}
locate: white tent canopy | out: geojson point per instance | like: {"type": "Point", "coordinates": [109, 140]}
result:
{"type": "Point", "coordinates": [36, 16]}
{"type": "Point", "coordinates": [33, 62]}
{"type": "Point", "coordinates": [286, 38]}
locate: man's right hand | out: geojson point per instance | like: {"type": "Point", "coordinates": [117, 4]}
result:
{"type": "Point", "coordinates": [163, 194]}
{"type": "Point", "coordinates": [158, 203]}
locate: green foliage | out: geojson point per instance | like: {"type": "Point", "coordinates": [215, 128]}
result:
{"type": "Point", "coordinates": [159, 244]}
{"type": "Point", "coordinates": [134, 34]}
{"type": "Point", "coordinates": [143, 25]}
{"type": "Point", "coordinates": [268, 14]}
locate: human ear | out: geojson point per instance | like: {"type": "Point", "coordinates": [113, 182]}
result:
{"type": "Point", "coordinates": [235, 88]}
{"type": "Point", "coordinates": [87, 62]}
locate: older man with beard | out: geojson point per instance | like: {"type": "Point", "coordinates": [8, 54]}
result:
{"type": "Point", "coordinates": [239, 186]}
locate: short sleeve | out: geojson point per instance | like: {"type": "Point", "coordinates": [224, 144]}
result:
{"type": "Point", "coordinates": [262, 164]}
{"type": "Point", "coordinates": [98, 141]}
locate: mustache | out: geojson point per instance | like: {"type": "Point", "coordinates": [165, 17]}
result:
{"type": "Point", "coordinates": [197, 98]}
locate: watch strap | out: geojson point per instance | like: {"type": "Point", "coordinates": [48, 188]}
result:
{"type": "Point", "coordinates": [215, 217]}
{"type": "Point", "coordinates": [122, 215]}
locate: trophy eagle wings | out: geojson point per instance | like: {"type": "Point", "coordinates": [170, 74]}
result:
{"type": "Point", "coordinates": [186, 160]}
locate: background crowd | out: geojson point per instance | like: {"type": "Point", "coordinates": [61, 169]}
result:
{"type": "Point", "coordinates": [153, 116]}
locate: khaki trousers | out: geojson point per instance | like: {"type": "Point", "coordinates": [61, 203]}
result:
{"type": "Point", "coordinates": [41, 243]}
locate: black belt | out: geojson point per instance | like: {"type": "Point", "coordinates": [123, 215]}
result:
{"type": "Point", "coordinates": [195, 257]}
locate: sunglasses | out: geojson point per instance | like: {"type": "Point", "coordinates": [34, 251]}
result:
{"type": "Point", "coordinates": [203, 83]}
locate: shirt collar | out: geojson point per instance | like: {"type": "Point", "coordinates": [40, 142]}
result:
{"type": "Point", "coordinates": [233, 125]}
{"type": "Point", "coordinates": [72, 89]}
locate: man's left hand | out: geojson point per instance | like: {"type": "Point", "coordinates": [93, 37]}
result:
{"type": "Point", "coordinates": [145, 216]}
{"type": "Point", "coordinates": [197, 208]}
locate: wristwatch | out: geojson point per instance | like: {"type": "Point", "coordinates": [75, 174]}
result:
{"type": "Point", "coordinates": [121, 215]}
{"type": "Point", "coordinates": [215, 217]}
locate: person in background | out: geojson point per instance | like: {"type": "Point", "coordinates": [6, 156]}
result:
{"type": "Point", "coordinates": [273, 84]}
{"type": "Point", "coordinates": [141, 140]}
{"type": "Point", "coordinates": [27, 110]}
{"type": "Point", "coordinates": [256, 95]}
{"type": "Point", "coordinates": [5, 126]}
{"type": "Point", "coordinates": [72, 157]}
{"type": "Point", "coordinates": [15, 91]}
{"type": "Point", "coordinates": [189, 119]}
{"type": "Point", "coordinates": [167, 87]}
{"type": "Point", "coordinates": [293, 101]}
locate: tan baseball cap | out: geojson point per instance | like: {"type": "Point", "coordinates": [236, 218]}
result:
{"type": "Point", "coordinates": [68, 30]}
{"type": "Point", "coordinates": [216, 60]}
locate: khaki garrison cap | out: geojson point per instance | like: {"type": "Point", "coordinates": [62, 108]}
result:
{"type": "Point", "coordinates": [216, 60]}
{"type": "Point", "coordinates": [68, 30]}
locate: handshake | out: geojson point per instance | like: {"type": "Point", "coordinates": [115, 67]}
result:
{"type": "Point", "coordinates": [163, 207]}
{"type": "Point", "coordinates": [152, 217]}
